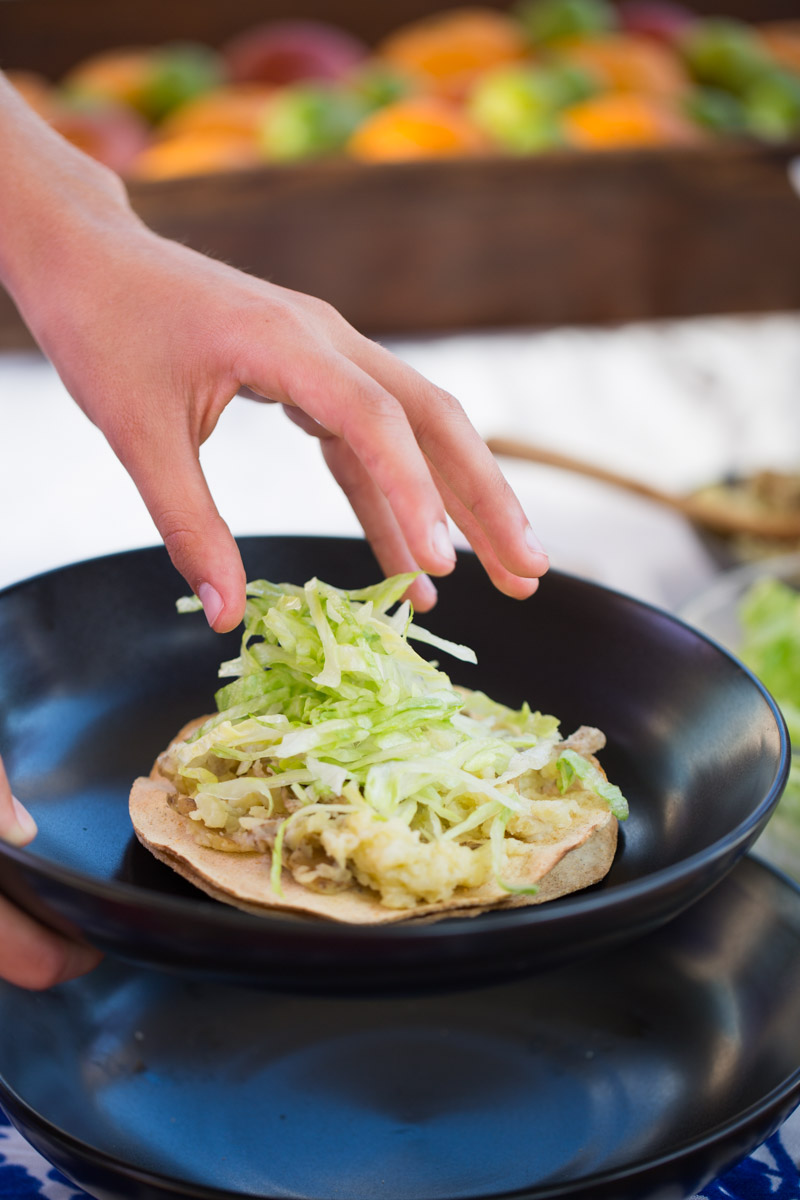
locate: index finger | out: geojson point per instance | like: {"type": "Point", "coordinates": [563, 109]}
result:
{"type": "Point", "coordinates": [461, 458]}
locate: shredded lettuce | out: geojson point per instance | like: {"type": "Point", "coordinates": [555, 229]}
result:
{"type": "Point", "coordinates": [770, 619]}
{"type": "Point", "coordinates": [571, 764]}
{"type": "Point", "coordinates": [327, 699]}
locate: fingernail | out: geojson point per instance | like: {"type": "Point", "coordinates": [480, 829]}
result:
{"type": "Point", "coordinates": [426, 591]}
{"type": "Point", "coordinates": [23, 828]}
{"type": "Point", "coordinates": [533, 543]}
{"type": "Point", "coordinates": [211, 602]}
{"type": "Point", "coordinates": [442, 543]}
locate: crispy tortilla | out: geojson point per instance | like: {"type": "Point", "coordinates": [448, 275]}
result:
{"type": "Point", "coordinates": [578, 860]}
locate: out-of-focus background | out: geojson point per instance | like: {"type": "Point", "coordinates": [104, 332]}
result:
{"type": "Point", "coordinates": [677, 403]}
{"type": "Point", "coordinates": [575, 215]}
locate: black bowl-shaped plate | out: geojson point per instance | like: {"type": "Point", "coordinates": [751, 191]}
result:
{"type": "Point", "coordinates": [639, 1075]}
{"type": "Point", "coordinates": [97, 672]}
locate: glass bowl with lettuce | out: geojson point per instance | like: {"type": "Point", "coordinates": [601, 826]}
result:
{"type": "Point", "coordinates": [754, 611]}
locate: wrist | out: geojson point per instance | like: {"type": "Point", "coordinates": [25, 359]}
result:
{"type": "Point", "coordinates": [54, 202]}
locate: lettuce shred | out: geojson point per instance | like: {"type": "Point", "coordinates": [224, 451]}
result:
{"type": "Point", "coordinates": [330, 721]}
{"type": "Point", "coordinates": [770, 619]}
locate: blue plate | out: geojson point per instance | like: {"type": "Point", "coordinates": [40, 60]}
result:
{"type": "Point", "coordinates": [639, 1074]}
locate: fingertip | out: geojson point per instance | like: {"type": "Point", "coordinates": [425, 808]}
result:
{"type": "Point", "coordinates": [541, 564]}
{"type": "Point", "coordinates": [223, 613]}
{"type": "Point", "coordinates": [211, 601]}
{"type": "Point", "coordinates": [79, 959]}
{"type": "Point", "coordinates": [23, 828]}
{"type": "Point", "coordinates": [538, 557]}
{"type": "Point", "coordinates": [423, 594]}
{"type": "Point", "coordinates": [443, 548]}
{"type": "Point", "coordinates": [516, 587]}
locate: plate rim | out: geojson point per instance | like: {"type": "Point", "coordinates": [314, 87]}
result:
{"type": "Point", "coordinates": [784, 1097]}
{"type": "Point", "coordinates": [572, 905]}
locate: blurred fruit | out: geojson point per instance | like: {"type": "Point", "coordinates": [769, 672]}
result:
{"type": "Point", "coordinates": [782, 40]}
{"type": "Point", "coordinates": [466, 80]}
{"type": "Point", "coordinates": [195, 153]}
{"type": "Point", "coordinates": [308, 119]}
{"type": "Point", "coordinates": [449, 50]}
{"type": "Point", "coordinates": [153, 81]}
{"type": "Point", "coordinates": [726, 54]}
{"type": "Point", "coordinates": [234, 108]}
{"type": "Point", "coordinates": [772, 106]}
{"type": "Point", "coordinates": [659, 19]}
{"type": "Point", "coordinates": [282, 52]}
{"type": "Point", "coordinates": [569, 83]}
{"type": "Point", "coordinates": [178, 72]}
{"type": "Point", "coordinates": [716, 110]}
{"type": "Point", "coordinates": [518, 106]}
{"type": "Point", "coordinates": [37, 91]}
{"type": "Point", "coordinates": [111, 133]}
{"type": "Point", "coordinates": [379, 83]}
{"type": "Point", "coordinates": [548, 22]}
{"type": "Point", "coordinates": [616, 120]}
{"type": "Point", "coordinates": [117, 75]}
{"type": "Point", "coordinates": [419, 127]}
{"type": "Point", "coordinates": [627, 62]}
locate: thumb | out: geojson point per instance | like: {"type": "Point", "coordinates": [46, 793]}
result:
{"type": "Point", "coordinates": [17, 826]}
{"type": "Point", "coordinates": [197, 539]}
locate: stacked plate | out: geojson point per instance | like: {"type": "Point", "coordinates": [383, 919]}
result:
{"type": "Point", "coordinates": [628, 1041]}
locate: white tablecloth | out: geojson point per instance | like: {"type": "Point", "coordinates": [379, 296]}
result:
{"type": "Point", "coordinates": [677, 403]}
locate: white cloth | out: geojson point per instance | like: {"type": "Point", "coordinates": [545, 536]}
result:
{"type": "Point", "coordinates": [677, 403]}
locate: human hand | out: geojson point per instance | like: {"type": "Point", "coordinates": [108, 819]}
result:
{"type": "Point", "coordinates": [32, 956]}
{"type": "Point", "coordinates": [153, 340]}
{"type": "Point", "coordinates": [156, 341]}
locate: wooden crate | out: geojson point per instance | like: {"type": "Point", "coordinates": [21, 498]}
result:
{"type": "Point", "coordinates": [413, 247]}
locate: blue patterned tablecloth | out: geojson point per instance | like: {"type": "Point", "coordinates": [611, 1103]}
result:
{"type": "Point", "coordinates": [770, 1173]}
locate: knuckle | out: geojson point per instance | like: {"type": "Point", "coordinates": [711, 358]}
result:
{"type": "Point", "coordinates": [445, 401]}
{"type": "Point", "coordinates": [319, 310]}
{"type": "Point", "coordinates": [178, 534]}
{"type": "Point", "coordinates": [486, 501]}
{"type": "Point", "coordinates": [436, 415]}
{"type": "Point", "coordinates": [374, 405]}
{"type": "Point", "coordinates": [324, 310]}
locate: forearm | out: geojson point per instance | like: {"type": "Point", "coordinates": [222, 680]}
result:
{"type": "Point", "coordinates": [53, 200]}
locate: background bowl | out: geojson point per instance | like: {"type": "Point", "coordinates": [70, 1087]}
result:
{"type": "Point", "coordinates": [97, 672]}
{"type": "Point", "coordinates": [716, 611]}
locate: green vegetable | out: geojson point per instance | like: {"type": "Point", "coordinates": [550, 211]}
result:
{"type": "Point", "coordinates": [571, 764]}
{"type": "Point", "coordinates": [329, 700]}
{"type": "Point", "coordinates": [770, 618]}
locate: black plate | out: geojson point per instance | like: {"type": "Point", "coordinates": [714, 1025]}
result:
{"type": "Point", "coordinates": [97, 672]}
{"type": "Point", "coordinates": [643, 1074]}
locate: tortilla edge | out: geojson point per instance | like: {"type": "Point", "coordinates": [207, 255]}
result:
{"type": "Point", "coordinates": [576, 868]}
